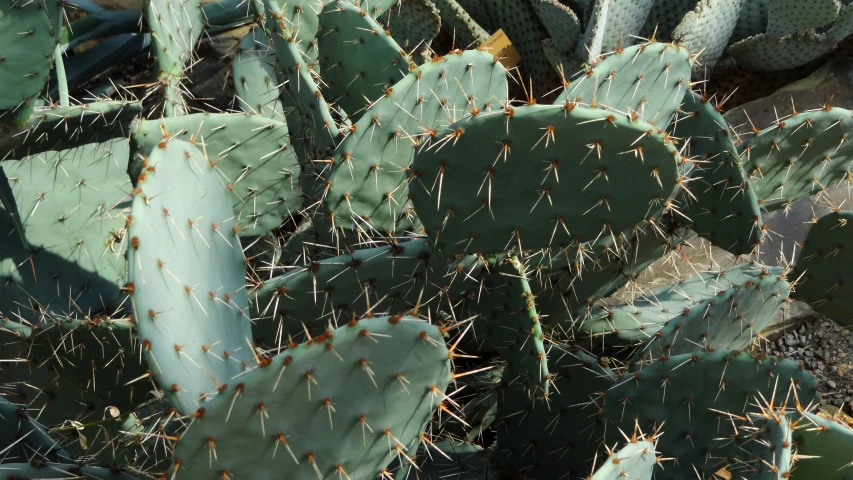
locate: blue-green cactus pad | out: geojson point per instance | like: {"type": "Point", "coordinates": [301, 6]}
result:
{"type": "Point", "coordinates": [722, 205]}
{"type": "Point", "coordinates": [186, 267]}
{"type": "Point", "coordinates": [541, 176]}
{"type": "Point", "coordinates": [824, 266]}
{"type": "Point", "coordinates": [648, 80]}
{"type": "Point", "coordinates": [694, 395]}
{"type": "Point", "coordinates": [799, 156]}
{"type": "Point", "coordinates": [349, 401]}
{"type": "Point", "coordinates": [358, 58]}
{"type": "Point", "coordinates": [29, 32]}
{"type": "Point", "coordinates": [73, 204]}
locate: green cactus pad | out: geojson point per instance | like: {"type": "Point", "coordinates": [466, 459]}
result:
{"type": "Point", "coordinates": [699, 396]}
{"type": "Point", "coordinates": [823, 264]}
{"type": "Point", "coordinates": [299, 18]}
{"type": "Point", "coordinates": [457, 22]}
{"type": "Point", "coordinates": [64, 128]}
{"type": "Point", "coordinates": [785, 17]}
{"type": "Point", "coordinates": [763, 53]}
{"type": "Point", "coordinates": [543, 198]}
{"type": "Point", "coordinates": [302, 93]}
{"type": "Point", "coordinates": [21, 437]}
{"type": "Point", "coordinates": [722, 205]}
{"type": "Point", "coordinates": [73, 205]}
{"type": "Point", "coordinates": [648, 80]}
{"type": "Point", "coordinates": [253, 69]}
{"type": "Point", "coordinates": [752, 20]}
{"type": "Point", "coordinates": [561, 23]}
{"type": "Point", "coordinates": [372, 167]}
{"type": "Point", "coordinates": [252, 156]}
{"type": "Point", "coordinates": [799, 156]}
{"type": "Point", "coordinates": [415, 24]}
{"type": "Point", "coordinates": [358, 57]}
{"type": "Point", "coordinates": [350, 401]}
{"type": "Point", "coordinates": [831, 440]}
{"type": "Point", "coordinates": [29, 32]}
{"type": "Point", "coordinates": [514, 328]}
{"type": "Point", "coordinates": [175, 27]}
{"type": "Point", "coordinates": [560, 436]}
{"type": "Point", "coordinates": [636, 460]}
{"type": "Point", "coordinates": [731, 319]}
{"type": "Point", "coordinates": [706, 30]}
{"type": "Point", "coordinates": [640, 320]}
{"type": "Point", "coordinates": [331, 291]}
{"type": "Point", "coordinates": [186, 269]}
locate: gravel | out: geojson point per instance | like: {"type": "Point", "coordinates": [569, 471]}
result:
{"type": "Point", "coordinates": [826, 350]}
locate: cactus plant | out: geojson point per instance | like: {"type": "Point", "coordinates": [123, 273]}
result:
{"type": "Point", "coordinates": [390, 266]}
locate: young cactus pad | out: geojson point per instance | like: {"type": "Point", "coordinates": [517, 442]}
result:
{"type": "Point", "coordinates": [348, 402]}
{"type": "Point", "coordinates": [545, 176]}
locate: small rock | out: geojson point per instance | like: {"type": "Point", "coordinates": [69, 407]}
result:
{"type": "Point", "coordinates": [831, 384]}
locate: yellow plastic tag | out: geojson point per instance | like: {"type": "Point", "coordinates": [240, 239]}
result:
{"type": "Point", "coordinates": [500, 45]}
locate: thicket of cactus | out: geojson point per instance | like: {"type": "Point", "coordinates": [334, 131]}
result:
{"type": "Point", "coordinates": [388, 265]}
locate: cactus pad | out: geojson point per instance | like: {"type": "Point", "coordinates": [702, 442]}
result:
{"type": "Point", "coordinates": [785, 17]}
{"type": "Point", "coordinates": [330, 291]}
{"type": "Point", "coordinates": [799, 156]}
{"type": "Point", "coordinates": [648, 80]}
{"type": "Point", "coordinates": [763, 53]}
{"type": "Point", "coordinates": [63, 128]}
{"type": "Point", "coordinates": [369, 180]}
{"type": "Point", "coordinates": [252, 156]}
{"type": "Point", "coordinates": [415, 24]}
{"type": "Point", "coordinates": [823, 264]}
{"type": "Point", "coordinates": [358, 57]}
{"type": "Point", "coordinates": [706, 30]}
{"type": "Point", "coordinates": [640, 320]}
{"type": "Point", "coordinates": [561, 23]}
{"type": "Point", "coordinates": [254, 75]}
{"type": "Point", "coordinates": [722, 205]}
{"type": "Point", "coordinates": [829, 439]}
{"type": "Point", "coordinates": [301, 91]}
{"type": "Point", "coordinates": [636, 460]}
{"type": "Point", "coordinates": [693, 394]}
{"type": "Point", "coordinates": [731, 319]}
{"type": "Point", "coordinates": [73, 204]}
{"type": "Point", "coordinates": [29, 32]}
{"type": "Point", "coordinates": [348, 402]}
{"type": "Point", "coordinates": [186, 269]}
{"type": "Point", "coordinates": [515, 330]}
{"type": "Point", "coordinates": [544, 197]}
